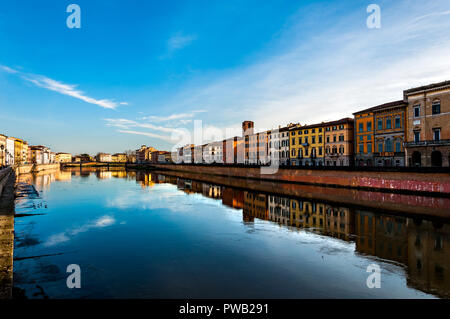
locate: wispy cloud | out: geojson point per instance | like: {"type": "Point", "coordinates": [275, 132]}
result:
{"type": "Point", "coordinates": [63, 88]}
{"type": "Point", "coordinates": [179, 41]}
{"type": "Point", "coordinates": [101, 222]}
{"type": "Point", "coordinates": [333, 73]}
{"type": "Point", "coordinates": [127, 126]}
{"type": "Point", "coordinates": [177, 116]}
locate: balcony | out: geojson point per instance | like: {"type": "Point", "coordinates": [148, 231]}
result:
{"type": "Point", "coordinates": [427, 143]}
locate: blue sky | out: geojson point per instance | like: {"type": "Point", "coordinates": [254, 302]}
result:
{"type": "Point", "coordinates": [138, 72]}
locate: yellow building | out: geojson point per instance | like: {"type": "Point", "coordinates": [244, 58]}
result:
{"type": "Point", "coordinates": [119, 158]}
{"type": "Point", "coordinates": [18, 155]}
{"type": "Point", "coordinates": [63, 158]}
{"type": "Point", "coordinates": [307, 145]}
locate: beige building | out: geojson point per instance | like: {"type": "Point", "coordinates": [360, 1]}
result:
{"type": "Point", "coordinates": [103, 157]}
{"type": "Point", "coordinates": [63, 158]}
{"type": "Point", "coordinates": [428, 125]}
{"type": "Point", "coordinates": [119, 158]}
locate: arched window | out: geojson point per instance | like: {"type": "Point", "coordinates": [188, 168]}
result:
{"type": "Point", "coordinates": [334, 150]}
{"type": "Point", "coordinates": [388, 145]}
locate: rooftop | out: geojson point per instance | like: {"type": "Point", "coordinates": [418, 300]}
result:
{"type": "Point", "coordinates": [382, 106]}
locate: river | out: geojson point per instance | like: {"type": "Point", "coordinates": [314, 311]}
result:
{"type": "Point", "coordinates": [151, 235]}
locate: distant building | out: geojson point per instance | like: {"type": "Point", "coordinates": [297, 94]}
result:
{"type": "Point", "coordinates": [63, 158]}
{"type": "Point", "coordinates": [119, 158]}
{"type": "Point", "coordinates": [103, 157]}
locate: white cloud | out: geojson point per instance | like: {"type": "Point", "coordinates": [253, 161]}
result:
{"type": "Point", "coordinates": [62, 88]}
{"type": "Point", "coordinates": [101, 222]}
{"type": "Point", "coordinates": [179, 41]}
{"type": "Point", "coordinates": [332, 74]}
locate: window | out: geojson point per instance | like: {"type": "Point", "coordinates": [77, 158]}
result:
{"type": "Point", "coordinates": [360, 138]}
{"type": "Point", "coordinates": [299, 140]}
{"type": "Point", "coordinates": [341, 138]}
{"type": "Point", "coordinates": [361, 148]}
{"type": "Point", "coordinates": [293, 153]}
{"type": "Point", "coordinates": [388, 123]}
{"type": "Point", "coordinates": [437, 134]}
{"type": "Point", "coordinates": [320, 130]}
{"type": "Point", "coordinates": [341, 127]}
{"type": "Point", "coordinates": [328, 139]}
{"type": "Point", "coordinates": [320, 139]}
{"type": "Point", "coordinates": [313, 140]}
{"type": "Point", "coordinates": [436, 108]}
{"type": "Point", "coordinates": [306, 152]}
{"type": "Point", "coordinates": [416, 136]}
{"type": "Point", "coordinates": [369, 137]}
{"type": "Point", "coordinates": [334, 138]}
{"type": "Point", "coordinates": [327, 129]}
{"type": "Point", "coordinates": [380, 147]}
{"type": "Point", "coordinates": [306, 139]}
{"type": "Point", "coordinates": [417, 111]}
{"type": "Point", "coordinates": [320, 151]}
{"type": "Point", "coordinates": [306, 131]}
{"type": "Point", "coordinates": [313, 130]}
{"type": "Point", "coordinates": [369, 126]}
{"type": "Point", "coordinates": [397, 122]}
{"type": "Point", "coordinates": [361, 129]}
{"type": "Point", "coordinates": [369, 148]}
{"type": "Point", "coordinates": [293, 141]}
{"type": "Point", "coordinates": [388, 145]}
{"type": "Point", "coordinates": [398, 147]}
{"type": "Point", "coordinates": [380, 124]}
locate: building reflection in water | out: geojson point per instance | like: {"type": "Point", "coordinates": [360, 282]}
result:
{"type": "Point", "coordinates": [421, 246]}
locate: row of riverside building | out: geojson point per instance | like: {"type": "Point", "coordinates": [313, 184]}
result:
{"type": "Point", "coordinates": [414, 131]}
{"type": "Point", "coordinates": [15, 152]}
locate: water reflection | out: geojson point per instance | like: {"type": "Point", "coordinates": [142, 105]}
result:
{"type": "Point", "coordinates": [420, 246]}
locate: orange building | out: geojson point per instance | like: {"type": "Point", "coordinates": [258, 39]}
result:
{"type": "Point", "coordinates": [364, 137]}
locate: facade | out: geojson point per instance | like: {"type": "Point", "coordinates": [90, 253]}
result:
{"type": "Point", "coordinates": [63, 158]}
{"type": "Point", "coordinates": [339, 143]}
{"type": "Point", "coordinates": [144, 154]}
{"type": "Point", "coordinates": [18, 154]}
{"type": "Point", "coordinates": [380, 143]}
{"type": "Point", "coordinates": [103, 157]}
{"type": "Point", "coordinates": [279, 146]}
{"type": "Point", "coordinates": [307, 145]}
{"type": "Point", "coordinates": [390, 123]}
{"type": "Point", "coordinates": [428, 125]}
{"type": "Point", "coordinates": [364, 138]}
{"type": "Point", "coordinates": [119, 158]}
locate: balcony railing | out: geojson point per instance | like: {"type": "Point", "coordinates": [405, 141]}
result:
{"type": "Point", "coordinates": [428, 143]}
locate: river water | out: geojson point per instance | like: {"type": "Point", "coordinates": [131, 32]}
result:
{"type": "Point", "coordinates": [150, 235]}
